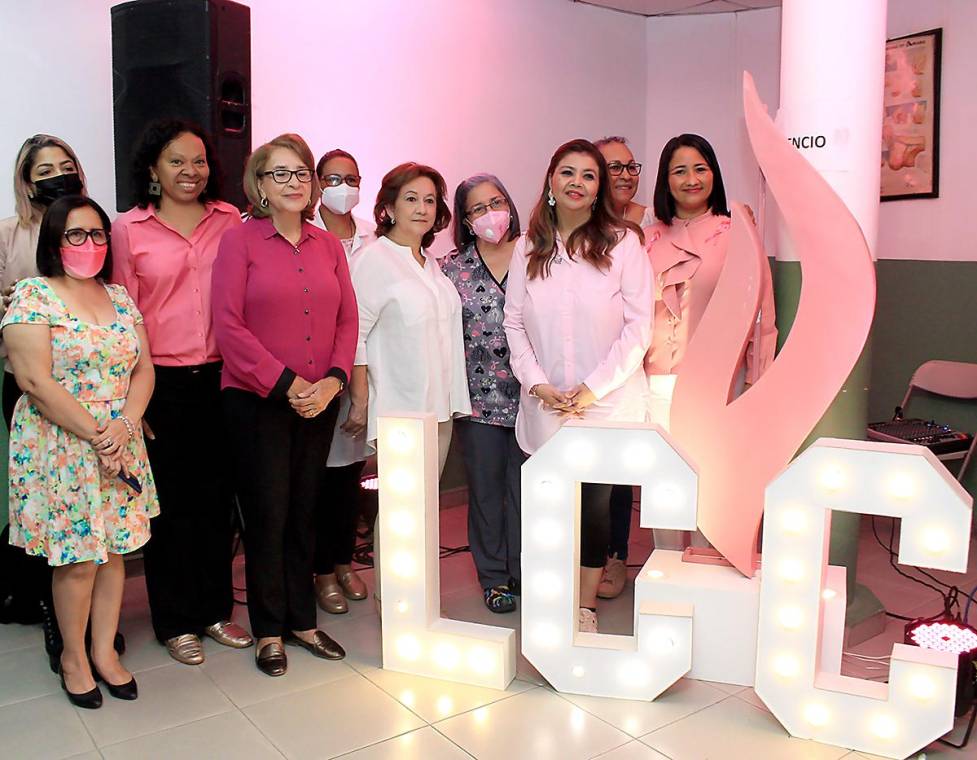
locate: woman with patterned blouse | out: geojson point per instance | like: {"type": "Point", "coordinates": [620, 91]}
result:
{"type": "Point", "coordinates": [81, 491]}
{"type": "Point", "coordinates": [486, 227]}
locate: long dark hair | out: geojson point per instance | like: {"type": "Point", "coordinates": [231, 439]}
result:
{"type": "Point", "coordinates": [664, 202]}
{"type": "Point", "coordinates": [154, 138]}
{"type": "Point", "coordinates": [461, 232]}
{"type": "Point", "coordinates": [52, 229]}
{"type": "Point", "coordinates": [594, 239]}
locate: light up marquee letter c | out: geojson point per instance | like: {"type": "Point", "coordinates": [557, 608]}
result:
{"type": "Point", "coordinates": [631, 667]}
{"type": "Point", "coordinates": [810, 697]}
{"type": "Point", "coordinates": [416, 639]}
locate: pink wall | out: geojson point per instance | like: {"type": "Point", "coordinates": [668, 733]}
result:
{"type": "Point", "coordinates": [466, 86]}
{"type": "Point", "coordinates": [710, 51]}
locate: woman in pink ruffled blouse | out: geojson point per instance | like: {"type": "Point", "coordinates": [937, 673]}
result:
{"type": "Point", "coordinates": [687, 247]}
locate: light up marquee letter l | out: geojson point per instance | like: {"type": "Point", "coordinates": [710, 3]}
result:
{"type": "Point", "coordinates": [811, 700]}
{"type": "Point", "coordinates": [631, 667]}
{"type": "Point", "coordinates": [416, 639]}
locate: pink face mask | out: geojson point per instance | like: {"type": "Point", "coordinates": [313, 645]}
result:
{"type": "Point", "coordinates": [83, 261]}
{"type": "Point", "coordinates": [492, 226]}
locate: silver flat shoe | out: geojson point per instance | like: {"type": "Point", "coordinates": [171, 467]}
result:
{"type": "Point", "coordinates": [230, 634]}
{"type": "Point", "coordinates": [186, 648]}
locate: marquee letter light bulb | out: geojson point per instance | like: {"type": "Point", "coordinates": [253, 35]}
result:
{"type": "Point", "coordinates": [916, 706]}
{"type": "Point", "coordinates": [416, 639]}
{"type": "Point", "coordinates": [641, 666]}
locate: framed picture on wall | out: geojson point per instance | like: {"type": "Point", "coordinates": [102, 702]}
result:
{"type": "Point", "coordinates": [911, 117]}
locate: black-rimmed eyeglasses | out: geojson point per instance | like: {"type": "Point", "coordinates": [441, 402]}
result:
{"type": "Point", "coordinates": [77, 236]}
{"type": "Point", "coordinates": [616, 167]}
{"type": "Point", "coordinates": [282, 176]}
{"type": "Point", "coordinates": [335, 180]}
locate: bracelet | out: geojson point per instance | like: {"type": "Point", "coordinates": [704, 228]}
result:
{"type": "Point", "coordinates": [128, 423]}
{"type": "Point", "coordinates": [532, 391]}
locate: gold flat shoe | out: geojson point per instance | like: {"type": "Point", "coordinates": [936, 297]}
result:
{"type": "Point", "coordinates": [352, 585]}
{"type": "Point", "coordinates": [186, 649]}
{"type": "Point", "coordinates": [329, 595]}
{"type": "Point", "coordinates": [230, 634]}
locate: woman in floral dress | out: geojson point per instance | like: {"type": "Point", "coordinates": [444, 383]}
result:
{"type": "Point", "coordinates": [78, 349]}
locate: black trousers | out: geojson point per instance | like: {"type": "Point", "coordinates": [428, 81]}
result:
{"type": "Point", "coordinates": [336, 513]}
{"type": "Point", "coordinates": [278, 458]}
{"type": "Point", "coordinates": [188, 556]}
{"type": "Point", "coordinates": [493, 462]}
{"type": "Point", "coordinates": [595, 523]}
{"type": "Point", "coordinates": [622, 504]}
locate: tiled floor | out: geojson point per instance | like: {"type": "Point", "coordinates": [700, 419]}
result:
{"type": "Point", "coordinates": [353, 709]}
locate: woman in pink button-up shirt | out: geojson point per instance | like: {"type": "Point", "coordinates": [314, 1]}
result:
{"type": "Point", "coordinates": [578, 318]}
{"type": "Point", "coordinates": [163, 252]}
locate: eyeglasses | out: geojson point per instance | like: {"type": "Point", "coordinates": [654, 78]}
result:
{"type": "Point", "coordinates": [616, 167]}
{"type": "Point", "coordinates": [334, 180]}
{"type": "Point", "coordinates": [77, 236]}
{"type": "Point", "coordinates": [498, 203]}
{"type": "Point", "coordinates": [283, 176]}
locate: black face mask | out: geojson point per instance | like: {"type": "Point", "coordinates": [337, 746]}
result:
{"type": "Point", "coordinates": [49, 189]}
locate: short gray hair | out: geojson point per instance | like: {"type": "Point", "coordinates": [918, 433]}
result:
{"type": "Point", "coordinates": [610, 139]}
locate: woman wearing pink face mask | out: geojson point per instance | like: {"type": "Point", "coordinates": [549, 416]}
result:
{"type": "Point", "coordinates": [486, 227]}
{"type": "Point", "coordinates": [81, 491]}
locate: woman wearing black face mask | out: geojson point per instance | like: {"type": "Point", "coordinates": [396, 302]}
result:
{"type": "Point", "coordinates": [46, 169]}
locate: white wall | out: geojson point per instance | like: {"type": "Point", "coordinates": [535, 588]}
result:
{"type": "Point", "coordinates": [465, 86]}
{"type": "Point", "coordinates": [694, 64]}
{"type": "Point", "coordinates": [938, 229]}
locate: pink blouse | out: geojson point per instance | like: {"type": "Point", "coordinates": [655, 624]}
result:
{"type": "Point", "coordinates": [282, 310]}
{"type": "Point", "coordinates": [687, 257]}
{"type": "Point", "coordinates": [168, 276]}
{"type": "Point", "coordinates": [580, 325]}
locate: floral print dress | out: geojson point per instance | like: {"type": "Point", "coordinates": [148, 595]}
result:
{"type": "Point", "coordinates": [61, 506]}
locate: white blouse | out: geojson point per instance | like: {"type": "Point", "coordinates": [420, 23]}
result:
{"type": "Point", "coordinates": [346, 449]}
{"type": "Point", "coordinates": [410, 334]}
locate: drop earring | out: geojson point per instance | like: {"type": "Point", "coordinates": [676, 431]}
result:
{"type": "Point", "coordinates": [155, 189]}
{"type": "Point", "coordinates": [264, 202]}
{"type": "Point", "coordinates": [550, 198]}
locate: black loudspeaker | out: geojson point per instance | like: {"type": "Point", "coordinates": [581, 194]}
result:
{"type": "Point", "coordinates": [188, 59]}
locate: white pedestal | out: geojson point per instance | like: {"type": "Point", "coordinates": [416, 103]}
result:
{"type": "Point", "coordinates": [725, 605]}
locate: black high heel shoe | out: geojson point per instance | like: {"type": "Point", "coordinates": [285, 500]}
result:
{"type": "Point", "coordinates": [90, 700]}
{"type": "Point", "coordinates": [128, 690]}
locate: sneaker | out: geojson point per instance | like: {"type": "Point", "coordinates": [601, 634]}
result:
{"type": "Point", "coordinates": [587, 622]}
{"type": "Point", "coordinates": [499, 599]}
{"type": "Point", "coordinates": [613, 580]}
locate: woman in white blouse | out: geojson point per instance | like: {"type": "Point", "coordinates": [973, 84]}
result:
{"type": "Point", "coordinates": [336, 580]}
{"type": "Point", "coordinates": [410, 356]}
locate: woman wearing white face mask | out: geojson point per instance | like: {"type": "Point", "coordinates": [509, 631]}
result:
{"type": "Point", "coordinates": [336, 580]}
{"type": "Point", "coordinates": [486, 228]}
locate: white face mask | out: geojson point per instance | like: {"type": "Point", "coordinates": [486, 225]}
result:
{"type": "Point", "coordinates": [340, 199]}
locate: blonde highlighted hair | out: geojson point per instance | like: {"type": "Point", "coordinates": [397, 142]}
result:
{"type": "Point", "coordinates": [256, 165]}
{"type": "Point", "coordinates": [28, 210]}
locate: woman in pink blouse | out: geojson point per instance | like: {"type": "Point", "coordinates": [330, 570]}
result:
{"type": "Point", "coordinates": [687, 247]}
{"type": "Point", "coordinates": [285, 318]}
{"type": "Point", "coordinates": [164, 251]}
{"type": "Point", "coordinates": [578, 316]}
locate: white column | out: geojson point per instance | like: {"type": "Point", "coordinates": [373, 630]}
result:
{"type": "Point", "coordinates": [832, 72]}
